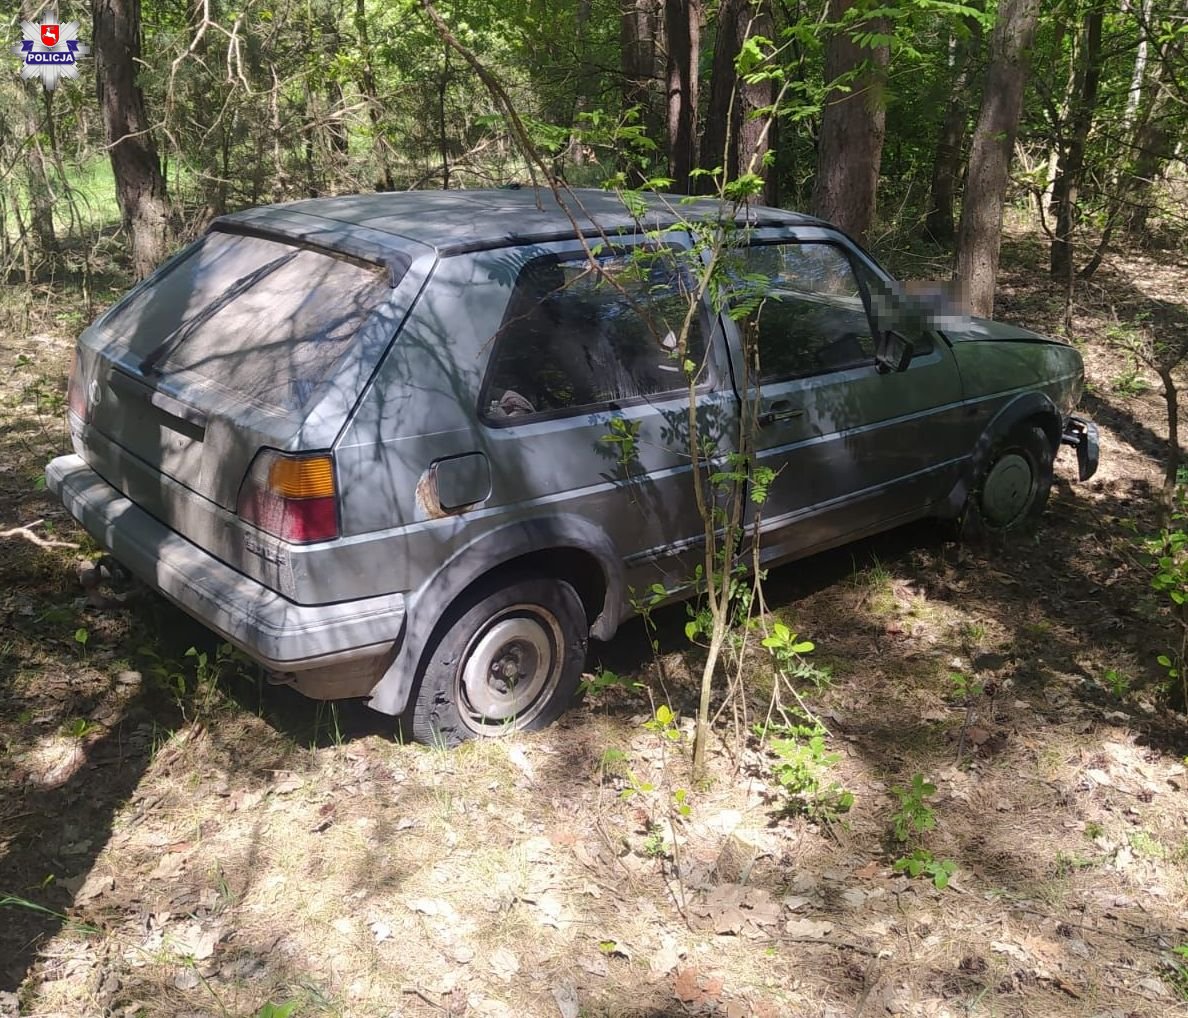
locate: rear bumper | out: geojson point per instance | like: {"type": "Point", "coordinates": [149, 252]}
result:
{"type": "Point", "coordinates": [283, 636]}
{"type": "Point", "coordinates": [1082, 435]}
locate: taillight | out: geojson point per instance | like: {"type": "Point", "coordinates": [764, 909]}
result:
{"type": "Point", "coordinates": [76, 391]}
{"type": "Point", "coordinates": [291, 497]}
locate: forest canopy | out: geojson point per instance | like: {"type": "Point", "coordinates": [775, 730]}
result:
{"type": "Point", "coordinates": [919, 118]}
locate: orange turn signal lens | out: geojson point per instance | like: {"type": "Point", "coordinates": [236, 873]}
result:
{"type": "Point", "coordinates": [307, 477]}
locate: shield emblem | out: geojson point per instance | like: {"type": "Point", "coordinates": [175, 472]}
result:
{"type": "Point", "coordinates": [49, 35]}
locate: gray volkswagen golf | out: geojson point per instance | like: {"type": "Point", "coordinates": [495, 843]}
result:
{"type": "Point", "coordinates": [363, 438]}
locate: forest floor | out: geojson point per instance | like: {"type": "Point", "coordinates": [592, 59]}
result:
{"type": "Point", "coordinates": [172, 845]}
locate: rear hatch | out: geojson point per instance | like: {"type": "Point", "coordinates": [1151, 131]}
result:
{"type": "Point", "coordinates": [248, 339]}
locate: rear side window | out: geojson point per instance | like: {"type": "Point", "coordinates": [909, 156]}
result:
{"type": "Point", "coordinates": [260, 319]}
{"type": "Point", "coordinates": [573, 338]}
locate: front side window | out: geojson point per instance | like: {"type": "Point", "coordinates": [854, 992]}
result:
{"type": "Point", "coordinates": [805, 310]}
{"type": "Point", "coordinates": [574, 337]}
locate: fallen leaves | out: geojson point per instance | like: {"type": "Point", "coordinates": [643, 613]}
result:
{"type": "Point", "coordinates": [90, 887]}
{"type": "Point", "coordinates": [566, 996]}
{"type": "Point", "coordinates": [665, 960]}
{"type": "Point", "coordinates": [170, 865]}
{"type": "Point", "coordinates": [691, 987]}
{"type": "Point", "coordinates": [503, 964]}
{"type": "Point", "coordinates": [432, 907]}
{"type": "Point", "coordinates": [286, 782]}
{"type": "Point", "coordinates": [808, 929]}
{"type": "Point", "coordinates": [737, 909]}
{"type": "Point", "coordinates": [195, 941]}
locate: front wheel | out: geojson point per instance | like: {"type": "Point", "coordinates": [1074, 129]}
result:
{"type": "Point", "coordinates": [1014, 488]}
{"type": "Point", "coordinates": [509, 659]}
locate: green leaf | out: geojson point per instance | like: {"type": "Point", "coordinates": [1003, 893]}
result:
{"type": "Point", "coordinates": [749, 56]}
{"type": "Point", "coordinates": [664, 714]}
{"type": "Point", "coordinates": [271, 1010]}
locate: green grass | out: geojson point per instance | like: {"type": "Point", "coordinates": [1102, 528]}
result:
{"type": "Point", "coordinates": [93, 186]}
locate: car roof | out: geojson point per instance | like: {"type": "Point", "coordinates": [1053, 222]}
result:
{"type": "Point", "coordinates": [468, 220]}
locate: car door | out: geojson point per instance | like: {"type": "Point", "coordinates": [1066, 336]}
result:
{"type": "Point", "coordinates": [585, 408]}
{"type": "Point", "coordinates": [853, 449]}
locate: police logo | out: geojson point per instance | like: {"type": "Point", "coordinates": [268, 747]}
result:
{"type": "Point", "coordinates": [50, 51]}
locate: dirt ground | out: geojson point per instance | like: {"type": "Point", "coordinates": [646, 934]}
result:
{"type": "Point", "coordinates": [178, 839]}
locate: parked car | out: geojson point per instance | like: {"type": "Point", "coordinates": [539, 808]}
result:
{"type": "Point", "coordinates": [362, 438]}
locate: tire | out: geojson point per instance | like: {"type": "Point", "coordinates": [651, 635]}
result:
{"type": "Point", "coordinates": [1013, 490]}
{"type": "Point", "coordinates": [509, 659]}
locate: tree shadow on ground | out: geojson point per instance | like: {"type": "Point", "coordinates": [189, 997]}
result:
{"type": "Point", "coordinates": [1127, 426]}
{"type": "Point", "coordinates": [54, 833]}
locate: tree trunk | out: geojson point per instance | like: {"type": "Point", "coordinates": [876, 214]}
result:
{"type": "Point", "coordinates": [853, 123]}
{"type": "Point", "coordinates": [140, 187]}
{"type": "Point", "coordinates": [443, 127]}
{"type": "Point", "coordinates": [682, 22]}
{"type": "Point", "coordinates": [584, 86]}
{"type": "Point", "coordinates": [637, 47]}
{"type": "Point", "coordinates": [1171, 470]}
{"type": "Point", "coordinates": [39, 183]}
{"type": "Point", "coordinates": [1072, 158]}
{"type": "Point", "coordinates": [754, 141]}
{"type": "Point", "coordinates": [716, 136]}
{"type": "Point", "coordinates": [1135, 94]}
{"type": "Point", "coordinates": [734, 138]}
{"type": "Point", "coordinates": [367, 85]}
{"type": "Point", "coordinates": [1141, 135]}
{"type": "Point", "coordinates": [979, 235]}
{"type": "Point", "coordinates": [946, 164]}
{"type": "Point", "coordinates": [40, 240]}
{"type": "Point", "coordinates": [1155, 143]}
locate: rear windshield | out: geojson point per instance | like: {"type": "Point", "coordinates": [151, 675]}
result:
{"type": "Point", "coordinates": [259, 319]}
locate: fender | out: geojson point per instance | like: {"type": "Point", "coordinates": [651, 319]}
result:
{"type": "Point", "coordinates": [1024, 407]}
{"type": "Point", "coordinates": [428, 604]}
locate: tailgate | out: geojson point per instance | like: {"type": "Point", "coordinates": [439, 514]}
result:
{"type": "Point", "coordinates": [241, 342]}
{"type": "Point", "coordinates": [222, 352]}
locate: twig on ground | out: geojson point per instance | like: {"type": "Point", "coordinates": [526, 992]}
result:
{"type": "Point", "coordinates": [414, 992]}
{"type": "Point", "coordinates": [844, 945]}
{"type": "Point", "coordinates": [27, 533]}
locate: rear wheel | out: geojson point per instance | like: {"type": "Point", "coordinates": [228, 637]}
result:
{"type": "Point", "coordinates": [1014, 488]}
{"type": "Point", "coordinates": [509, 659]}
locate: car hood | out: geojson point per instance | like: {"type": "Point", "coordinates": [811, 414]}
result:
{"type": "Point", "coordinates": [970, 329]}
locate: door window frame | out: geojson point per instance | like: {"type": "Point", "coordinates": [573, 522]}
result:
{"type": "Point", "coordinates": [572, 250]}
{"type": "Point", "coordinates": [799, 235]}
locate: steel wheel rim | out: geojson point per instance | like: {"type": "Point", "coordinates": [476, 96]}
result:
{"type": "Point", "coordinates": [509, 670]}
{"type": "Point", "coordinates": [1008, 490]}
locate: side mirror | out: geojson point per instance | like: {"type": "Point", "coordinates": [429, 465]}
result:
{"type": "Point", "coordinates": [893, 352]}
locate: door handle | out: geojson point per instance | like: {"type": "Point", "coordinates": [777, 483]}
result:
{"type": "Point", "coordinates": [780, 410]}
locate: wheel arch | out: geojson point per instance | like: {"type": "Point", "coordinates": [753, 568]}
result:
{"type": "Point", "coordinates": [1031, 407]}
{"type": "Point", "coordinates": [567, 548]}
